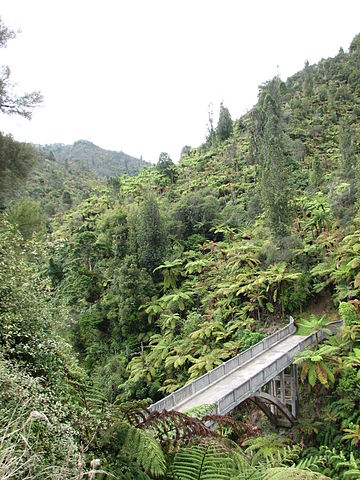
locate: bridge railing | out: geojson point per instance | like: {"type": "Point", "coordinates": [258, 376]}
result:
{"type": "Point", "coordinates": [251, 386]}
{"type": "Point", "coordinates": [199, 384]}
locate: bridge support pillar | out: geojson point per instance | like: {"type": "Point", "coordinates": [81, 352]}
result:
{"type": "Point", "coordinates": [285, 387]}
{"type": "Point", "coordinates": [294, 390]}
{"type": "Point", "coordinates": [279, 398]}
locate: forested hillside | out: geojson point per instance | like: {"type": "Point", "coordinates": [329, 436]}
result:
{"type": "Point", "coordinates": [154, 279]}
{"type": "Point", "coordinates": [85, 155]}
{"type": "Point", "coordinates": [196, 259]}
{"type": "Point", "coordinates": [58, 177]}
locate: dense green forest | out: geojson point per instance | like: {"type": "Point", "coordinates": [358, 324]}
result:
{"type": "Point", "coordinates": [116, 291]}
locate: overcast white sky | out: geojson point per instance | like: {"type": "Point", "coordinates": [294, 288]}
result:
{"type": "Point", "coordinates": [138, 75]}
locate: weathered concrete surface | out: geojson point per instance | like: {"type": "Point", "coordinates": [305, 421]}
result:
{"type": "Point", "coordinates": [217, 391]}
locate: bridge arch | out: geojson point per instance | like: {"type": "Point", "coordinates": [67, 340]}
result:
{"type": "Point", "coordinates": [264, 401]}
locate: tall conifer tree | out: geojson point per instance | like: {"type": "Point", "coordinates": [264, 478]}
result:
{"type": "Point", "coordinates": [224, 126]}
{"type": "Point", "coordinates": [275, 181]}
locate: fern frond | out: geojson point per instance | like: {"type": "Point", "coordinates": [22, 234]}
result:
{"type": "Point", "coordinates": [204, 461]}
{"type": "Point", "coordinates": [94, 399]}
{"type": "Point", "coordinates": [173, 428]}
{"type": "Point", "coordinates": [242, 430]}
{"type": "Point", "coordinates": [133, 412]}
{"type": "Point", "coordinates": [265, 447]}
{"type": "Point", "coordinates": [310, 463]}
{"type": "Point", "coordinates": [291, 473]}
{"type": "Point", "coordinates": [353, 474]}
{"type": "Point", "coordinates": [139, 446]}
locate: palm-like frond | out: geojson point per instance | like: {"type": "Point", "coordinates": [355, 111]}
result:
{"type": "Point", "coordinates": [139, 446]}
{"type": "Point", "coordinates": [264, 447]}
{"type": "Point", "coordinates": [204, 461]}
{"type": "Point", "coordinates": [174, 428]}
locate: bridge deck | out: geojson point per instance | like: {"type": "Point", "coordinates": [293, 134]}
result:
{"type": "Point", "coordinates": [215, 392]}
{"type": "Point", "coordinates": [240, 377]}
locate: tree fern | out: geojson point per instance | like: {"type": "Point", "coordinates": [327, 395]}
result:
{"type": "Point", "coordinates": [174, 429]}
{"type": "Point", "coordinates": [265, 447]}
{"type": "Point", "coordinates": [140, 447]}
{"type": "Point", "coordinates": [132, 412]}
{"type": "Point", "coordinates": [204, 461]}
{"type": "Point", "coordinates": [94, 399]}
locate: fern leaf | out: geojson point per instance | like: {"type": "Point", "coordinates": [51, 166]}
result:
{"type": "Point", "coordinates": [288, 473]}
{"type": "Point", "coordinates": [140, 447]}
{"type": "Point", "coordinates": [309, 463]}
{"type": "Point", "coordinates": [206, 461]}
{"type": "Point", "coordinates": [352, 474]}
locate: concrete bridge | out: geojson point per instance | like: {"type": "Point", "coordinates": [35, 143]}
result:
{"type": "Point", "coordinates": [263, 373]}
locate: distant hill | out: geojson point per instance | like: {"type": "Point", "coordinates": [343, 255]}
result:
{"type": "Point", "coordinates": [65, 175]}
{"type": "Point", "coordinates": [85, 155]}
